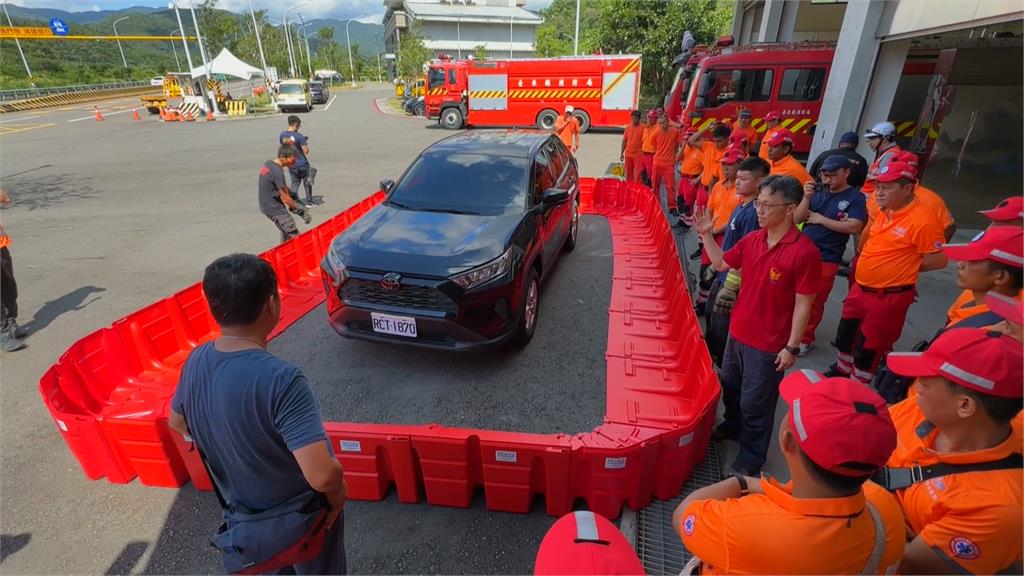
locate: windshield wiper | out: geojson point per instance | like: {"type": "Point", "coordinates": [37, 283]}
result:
{"type": "Point", "coordinates": [399, 205]}
{"type": "Point", "coordinates": [449, 211]}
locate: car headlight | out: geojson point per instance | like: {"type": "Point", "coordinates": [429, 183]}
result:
{"type": "Point", "coordinates": [484, 273]}
{"type": "Point", "coordinates": [334, 268]}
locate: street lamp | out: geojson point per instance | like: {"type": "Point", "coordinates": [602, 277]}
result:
{"type": "Point", "coordinates": [288, 37]}
{"type": "Point", "coordinates": [181, 32]}
{"type": "Point", "coordinates": [259, 41]}
{"type": "Point", "coordinates": [576, 37]}
{"type": "Point", "coordinates": [308, 63]}
{"type": "Point", "coordinates": [511, 18]}
{"type": "Point", "coordinates": [125, 62]}
{"type": "Point", "coordinates": [348, 40]}
{"type": "Point", "coordinates": [177, 63]}
{"type": "Point", "coordinates": [18, 44]}
{"type": "Point", "coordinates": [210, 99]}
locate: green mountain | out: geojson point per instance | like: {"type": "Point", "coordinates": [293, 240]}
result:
{"type": "Point", "coordinates": [88, 17]}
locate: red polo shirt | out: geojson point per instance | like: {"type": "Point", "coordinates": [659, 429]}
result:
{"type": "Point", "coordinates": [772, 278]}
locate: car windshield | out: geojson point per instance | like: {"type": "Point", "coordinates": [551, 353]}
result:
{"type": "Point", "coordinates": [316, 86]}
{"type": "Point", "coordinates": [464, 183]}
{"type": "Point", "coordinates": [291, 89]}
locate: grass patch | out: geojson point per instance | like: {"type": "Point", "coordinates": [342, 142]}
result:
{"type": "Point", "coordinates": [396, 105]}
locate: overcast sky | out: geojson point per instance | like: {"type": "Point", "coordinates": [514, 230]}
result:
{"type": "Point", "coordinates": [317, 8]}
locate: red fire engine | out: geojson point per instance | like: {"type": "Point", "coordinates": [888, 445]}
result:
{"type": "Point", "coordinates": [533, 92]}
{"type": "Point", "coordinates": [712, 83]}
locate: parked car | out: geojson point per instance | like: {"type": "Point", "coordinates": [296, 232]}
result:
{"type": "Point", "coordinates": [415, 106]}
{"type": "Point", "coordinates": [455, 255]}
{"type": "Point", "coordinates": [156, 81]}
{"type": "Point", "coordinates": [294, 95]}
{"type": "Point", "coordinates": [321, 93]}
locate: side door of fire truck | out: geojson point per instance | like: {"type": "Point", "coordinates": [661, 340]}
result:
{"type": "Point", "coordinates": [721, 91]}
{"type": "Point", "coordinates": [799, 97]}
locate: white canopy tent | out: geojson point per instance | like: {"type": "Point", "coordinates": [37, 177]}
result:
{"type": "Point", "coordinates": [228, 64]}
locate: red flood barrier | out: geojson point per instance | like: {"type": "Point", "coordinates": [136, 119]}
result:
{"type": "Point", "coordinates": [109, 394]}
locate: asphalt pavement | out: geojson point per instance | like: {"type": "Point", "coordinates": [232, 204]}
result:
{"type": "Point", "coordinates": [109, 216]}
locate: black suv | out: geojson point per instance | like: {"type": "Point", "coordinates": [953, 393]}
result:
{"type": "Point", "coordinates": [455, 255]}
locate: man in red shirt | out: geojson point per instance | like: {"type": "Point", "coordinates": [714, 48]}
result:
{"type": "Point", "coordinates": [666, 146]}
{"type": "Point", "coordinates": [632, 148]}
{"type": "Point", "coordinates": [781, 270]}
{"type": "Point", "coordinates": [568, 129]}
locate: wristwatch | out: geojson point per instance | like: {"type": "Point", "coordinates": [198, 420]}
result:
{"type": "Point", "coordinates": [792, 350]}
{"type": "Point", "coordinates": [744, 489]}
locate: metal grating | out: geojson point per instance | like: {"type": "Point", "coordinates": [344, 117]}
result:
{"type": "Point", "coordinates": [658, 545]}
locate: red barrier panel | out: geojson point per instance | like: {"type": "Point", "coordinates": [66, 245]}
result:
{"type": "Point", "coordinates": [110, 392]}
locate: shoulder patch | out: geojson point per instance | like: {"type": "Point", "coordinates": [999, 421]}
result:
{"type": "Point", "coordinates": [689, 524]}
{"type": "Point", "coordinates": [964, 548]}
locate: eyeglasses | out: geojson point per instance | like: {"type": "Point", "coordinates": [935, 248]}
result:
{"type": "Point", "coordinates": [764, 206]}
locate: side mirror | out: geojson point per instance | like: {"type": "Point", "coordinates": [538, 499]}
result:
{"type": "Point", "coordinates": [553, 196]}
{"type": "Point", "coordinates": [387, 185]}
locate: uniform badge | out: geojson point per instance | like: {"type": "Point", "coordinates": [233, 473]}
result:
{"type": "Point", "coordinates": [774, 274]}
{"type": "Point", "coordinates": [884, 170]}
{"type": "Point", "coordinates": [689, 523]}
{"type": "Point", "coordinates": [962, 547]}
{"type": "Point", "coordinates": [843, 204]}
{"type": "Point", "coordinates": [978, 236]}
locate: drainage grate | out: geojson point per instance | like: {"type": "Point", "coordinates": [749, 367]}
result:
{"type": "Point", "coordinates": [659, 547]}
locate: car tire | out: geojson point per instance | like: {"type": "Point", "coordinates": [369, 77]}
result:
{"type": "Point", "coordinates": [583, 118]}
{"type": "Point", "coordinates": [451, 119]}
{"type": "Point", "coordinates": [574, 228]}
{"type": "Point", "coordinates": [529, 309]}
{"type": "Point", "coordinates": [419, 110]}
{"type": "Point", "coordinates": [546, 119]}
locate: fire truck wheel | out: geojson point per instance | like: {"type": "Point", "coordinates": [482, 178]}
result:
{"type": "Point", "coordinates": [583, 118]}
{"type": "Point", "coordinates": [546, 119]}
{"type": "Point", "coordinates": [451, 119]}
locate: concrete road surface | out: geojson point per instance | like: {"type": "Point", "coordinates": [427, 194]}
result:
{"type": "Point", "coordinates": [109, 216]}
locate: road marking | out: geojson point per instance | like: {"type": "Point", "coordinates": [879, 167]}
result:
{"type": "Point", "coordinates": [19, 119]}
{"type": "Point", "coordinates": [94, 116]}
{"type": "Point", "coordinates": [328, 106]}
{"type": "Point", "coordinates": [5, 130]}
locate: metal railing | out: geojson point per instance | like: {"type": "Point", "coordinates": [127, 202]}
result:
{"type": "Point", "coordinates": [24, 93]}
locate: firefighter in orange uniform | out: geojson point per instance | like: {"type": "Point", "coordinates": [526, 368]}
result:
{"type": "Point", "coordinates": [780, 156]}
{"type": "Point", "coordinates": [772, 121]}
{"type": "Point", "coordinates": [632, 148]}
{"type": "Point", "coordinates": [647, 146]}
{"type": "Point", "coordinates": [690, 167]}
{"type": "Point", "coordinates": [993, 262]}
{"type": "Point", "coordinates": [743, 116]}
{"type": "Point", "coordinates": [722, 201]}
{"type": "Point", "coordinates": [568, 130]}
{"type": "Point", "coordinates": [10, 333]}
{"type": "Point", "coordinates": [882, 140]}
{"type": "Point", "coordinates": [712, 157]}
{"type": "Point", "coordinates": [666, 148]}
{"type": "Point", "coordinates": [905, 240]}
{"type": "Point", "coordinates": [956, 469]}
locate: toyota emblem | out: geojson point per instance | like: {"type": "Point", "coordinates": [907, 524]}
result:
{"type": "Point", "coordinates": [391, 282]}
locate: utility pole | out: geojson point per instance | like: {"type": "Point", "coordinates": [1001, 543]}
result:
{"type": "Point", "coordinates": [123, 61]}
{"type": "Point", "coordinates": [211, 101]}
{"type": "Point", "coordinates": [259, 41]}
{"type": "Point", "coordinates": [18, 44]}
{"type": "Point", "coordinates": [181, 32]}
{"type": "Point", "coordinates": [177, 63]}
{"type": "Point", "coordinates": [576, 37]}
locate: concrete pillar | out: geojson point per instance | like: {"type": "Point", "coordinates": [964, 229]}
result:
{"type": "Point", "coordinates": [771, 20]}
{"type": "Point", "coordinates": [787, 24]}
{"type": "Point", "coordinates": [888, 68]}
{"type": "Point", "coordinates": [738, 17]}
{"type": "Point", "coordinates": [847, 82]}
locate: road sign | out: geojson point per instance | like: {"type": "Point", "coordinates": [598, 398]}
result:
{"type": "Point", "coordinates": [59, 27]}
{"type": "Point", "coordinates": [272, 73]}
{"type": "Point", "coordinates": [24, 32]}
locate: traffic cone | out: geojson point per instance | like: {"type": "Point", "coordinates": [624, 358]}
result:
{"type": "Point", "coordinates": [177, 113]}
{"type": "Point", "coordinates": [209, 116]}
{"type": "Point", "coordinates": [163, 117]}
{"type": "Point", "coordinates": [99, 117]}
{"type": "Point", "coordinates": [135, 114]}
{"type": "Point", "coordinates": [190, 118]}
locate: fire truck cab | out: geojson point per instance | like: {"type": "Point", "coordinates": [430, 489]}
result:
{"type": "Point", "coordinates": [603, 91]}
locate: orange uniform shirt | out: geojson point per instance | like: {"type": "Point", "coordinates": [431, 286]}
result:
{"type": "Point", "coordinates": [648, 139]}
{"type": "Point", "coordinates": [749, 132]}
{"type": "Point", "coordinates": [775, 533]}
{"type": "Point", "coordinates": [965, 307]}
{"type": "Point", "coordinates": [790, 166]}
{"type": "Point", "coordinates": [711, 159]}
{"type": "Point", "coordinates": [567, 130]}
{"type": "Point", "coordinates": [974, 519]}
{"type": "Point", "coordinates": [666, 145]}
{"type": "Point", "coordinates": [762, 151]}
{"type": "Point", "coordinates": [928, 197]}
{"type": "Point", "coordinates": [5, 240]}
{"type": "Point", "coordinates": [691, 160]}
{"type": "Point", "coordinates": [634, 138]}
{"type": "Point", "coordinates": [896, 246]}
{"type": "Point", "coordinates": [722, 201]}
{"type": "Point", "coordinates": [878, 163]}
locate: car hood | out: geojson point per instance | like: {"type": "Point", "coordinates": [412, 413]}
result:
{"type": "Point", "coordinates": [426, 243]}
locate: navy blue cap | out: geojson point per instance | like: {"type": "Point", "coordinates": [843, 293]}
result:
{"type": "Point", "coordinates": [849, 138]}
{"type": "Point", "coordinates": [835, 162]}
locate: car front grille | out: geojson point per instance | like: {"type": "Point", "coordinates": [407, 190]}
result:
{"type": "Point", "coordinates": [410, 296]}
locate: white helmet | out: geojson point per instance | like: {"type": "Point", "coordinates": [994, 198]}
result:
{"type": "Point", "coordinates": [881, 130]}
{"type": "Point", "coordinates": [569, 109]}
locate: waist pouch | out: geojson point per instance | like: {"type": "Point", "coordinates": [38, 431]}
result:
{"type": "Point", "coordinates": [255, 542]}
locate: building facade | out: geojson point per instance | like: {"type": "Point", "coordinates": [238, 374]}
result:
{"type": "Point", "coordinates": [458, 27]}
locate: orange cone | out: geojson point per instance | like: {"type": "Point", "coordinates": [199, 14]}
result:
{"type": "Point", "coordinates": [190, 118]}
{"type": "Point", "coordinates": [209, 116]}
{"type": "Point", "coordinates": [160, 111]}
{"type": "Point", "coordinates": [135, 115]}
{"type": "Point", "coordinates": [177, 113]}
{"type": "Point", "coordinates": [99, 117]}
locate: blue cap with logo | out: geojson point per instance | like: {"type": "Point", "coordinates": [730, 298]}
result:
{"type": "Point", "coordinates": [849, 138]}
{"type": "Point", "coordinates": [835, 162]}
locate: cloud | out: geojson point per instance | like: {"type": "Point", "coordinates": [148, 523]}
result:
{"type": "Point", "coordinates": [340, 9]}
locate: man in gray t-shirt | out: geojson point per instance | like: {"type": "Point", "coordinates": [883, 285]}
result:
{"type": "Point", "coordinates": [274, 196]}
{"type": "Point", "coordinates": [254, 415]}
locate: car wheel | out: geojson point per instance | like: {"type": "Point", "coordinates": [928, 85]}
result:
{"type": "Point", "coordinates": [419, 110]}
{"type": "Point", "coordinates": [574, 228]}
{"type": "Point", "coordinates": [546, 119]}
{"type": "Point", "coordinates": [451, 119]}
{"type": "Point", "coordinates": [528, 309]}
{"type": "Point", "coordinates": [583, 118]}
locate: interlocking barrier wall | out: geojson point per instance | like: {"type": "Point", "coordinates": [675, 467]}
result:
{"type": "Point", "coordinates": [75, 98]}
{"type": "Point", "coordinates": [109, 394]}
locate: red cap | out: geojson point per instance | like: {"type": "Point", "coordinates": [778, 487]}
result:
{"type": "Point", "coordinates": [1010, 209]}
{"type": "Point", "coordinates": [585, 543]}
{"type": "Point", "coordinates": [1012, 309]}
{"type": "Point", "coordinates": [1004, 244]}
{"type": "Point", "coordinates": [893, 171]}
{"type": "Point", "coordinates": [987, 362]}
{"type": "Point", "coordinates": [842, 425]}
{"type": "Point", "coordinates": [773, 115]}
{"type": "Point", "coordinates": [907, 157]}
{"type": "Point", "coordinates": [780, 136]}
{"type": "Point", "coordinates": [690, 131]}
{"type": "Point", "coordinates": [733, 156]}
{"type": "Point", "coordinates": [652, 114]}
{"type": "Point", "coordinates": [737, 139]}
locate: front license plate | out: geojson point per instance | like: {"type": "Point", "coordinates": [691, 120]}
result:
{"type": "Point", "coordinates": [396, 325]}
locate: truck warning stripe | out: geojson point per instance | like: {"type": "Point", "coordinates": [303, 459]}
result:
{"type": "Point", "coordinates": [561, 93]}
{"type": "Point", "coordinates": [631, 67]}
{"type": "Point", "coordinates": [488, 94]}
{"type": "Point", "coordinates": [436, 91]}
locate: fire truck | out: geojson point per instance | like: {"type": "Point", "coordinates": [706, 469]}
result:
{"type": "Point", "coordinates": [713, 83]}
{"type": "Point", "coordinates": [533, 92]}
